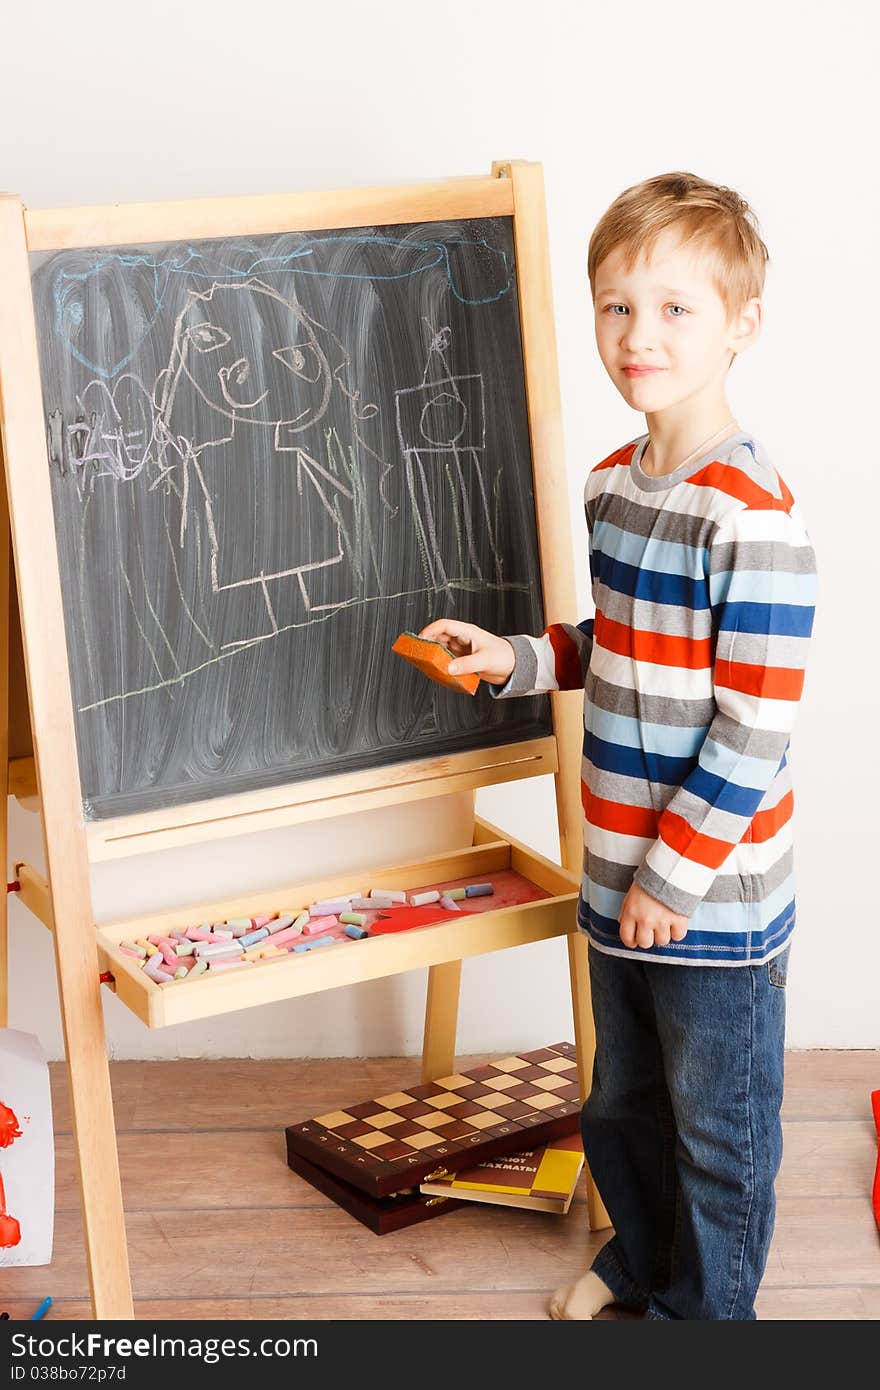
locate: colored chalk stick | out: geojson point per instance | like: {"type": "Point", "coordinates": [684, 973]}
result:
{"type": "Point", "coordinates": [262, 919]}
{"type": "Point", "coordinates": [329, 907]}
{"type": "Point", "coordinates": [419, 899]}
{"type": "Point", "coordinates": [355, 932]}
{"type": "Point", "coordinates": [133, 946]}
{"type": "Point", "coordinates": [479, 890]}
{"type": "Point", "coordinates": [456, 894]}
{"type": "Point", "coordinates": [315, 925]}
{"type": "Point", "coordinates": [139, 955]}
{"type": "Point", "coordinates": [278, 924]}
{"type": "Point", "coordinates": [200, 933]}
{"type": "Point", "coordinates": [239, 922]}
{"type": "Point", "coordinates": [433, 660]}
{"type": "Point", "coordinates": [369, 904]}
{"type": "Point", "coordinates": [300, 920]}
{"type": "Point", "coordinates": [199, 968]}
{"type": "Point", "coordinates": [449, 903]}
{"type": "Point", "coordinates": [353, 919]}
{"type": "Point", "coordinates": [395, 894]}
{"type": "Point", "coordinates": [185, 947]}
{"type": "Point", "coordinates": [314, 941]}
{"type": "Point", "coordinates": [156, 972]}
{"type": "Point", "coordinates": [252, 937]}
{"type": "Point", "coordinates": [211, 950]}
{"type": "Point", "coordinates": [281, 938]}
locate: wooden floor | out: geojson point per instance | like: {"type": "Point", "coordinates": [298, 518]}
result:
{"type": "Point", "coordinates": [218, 1225]}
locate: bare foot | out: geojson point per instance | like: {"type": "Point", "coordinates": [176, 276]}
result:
{"type": "Point", "coordinates": [581, 1300]}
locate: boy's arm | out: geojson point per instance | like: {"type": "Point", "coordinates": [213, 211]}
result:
{"type": "Point", "coordinates": [557, 660]}
{"type": "Point", "coordinates": [762, 587]}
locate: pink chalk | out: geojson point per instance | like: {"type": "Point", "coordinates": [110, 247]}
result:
{"type": "Point", "coordinates": [316, 925]}
{"type": "Point", "coordinates": [263, 920]}
{"type": "Point", "coordinates": [280, 938]}
{"type": "Point", "coordinates": [126, 952]}
{"type": "Point", "coordinates": [198, 934]}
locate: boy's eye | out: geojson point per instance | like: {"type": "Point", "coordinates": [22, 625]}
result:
{"type": "Point", "coordinates": [609, 309]}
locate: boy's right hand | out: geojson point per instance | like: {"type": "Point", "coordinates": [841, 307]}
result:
{"type": "Point", "coordinates": [476, 651]}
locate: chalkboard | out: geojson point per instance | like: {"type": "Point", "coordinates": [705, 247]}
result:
{"type": "Point", "coordinates": [269, 456]}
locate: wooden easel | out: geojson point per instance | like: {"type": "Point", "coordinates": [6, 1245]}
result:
{"type": "Point", "coordinates": [63, 901]}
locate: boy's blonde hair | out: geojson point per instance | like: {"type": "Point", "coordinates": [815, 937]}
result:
{"type": "Point", "coordinates": [715, 218]}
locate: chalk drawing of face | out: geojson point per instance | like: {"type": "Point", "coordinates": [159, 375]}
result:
{"type": "Point", "coordinates": [253, 357]}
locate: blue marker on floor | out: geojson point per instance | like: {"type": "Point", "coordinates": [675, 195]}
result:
{"type": "Point", "coordinates": [42, 1310]}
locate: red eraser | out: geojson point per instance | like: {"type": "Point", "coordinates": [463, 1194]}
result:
{"type": "Point", "coordinates": [432, 659]}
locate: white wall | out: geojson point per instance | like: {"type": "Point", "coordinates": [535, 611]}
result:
{"type": "Point", "coordinates": [103, 103]}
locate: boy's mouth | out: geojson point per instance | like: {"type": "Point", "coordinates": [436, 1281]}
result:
{"type": "Point", "coordinates": [641, 371]}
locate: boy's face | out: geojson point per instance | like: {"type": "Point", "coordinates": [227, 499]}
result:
{"type": "Point", "coordinates": [667, 314]}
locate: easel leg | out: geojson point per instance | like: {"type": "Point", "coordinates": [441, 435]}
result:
{"type": "Point", "coordinates": [85, 1042]}
{"type": "Point", "coordinates": [585, 1041]}
{"type": "Point", "coordinates": [5, 637]}
{"type": "Point", "coordinates": [441, 1019]}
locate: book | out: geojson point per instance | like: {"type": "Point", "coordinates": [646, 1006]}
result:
{"type": "Point", "coordinates": [540, 1179]}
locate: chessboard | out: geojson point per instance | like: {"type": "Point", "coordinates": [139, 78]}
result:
{"type": "Point", "coordinates": [395, 1141]}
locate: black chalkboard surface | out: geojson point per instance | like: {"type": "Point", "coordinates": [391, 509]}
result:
{"type": "Point", "coordinates": [270, 456]}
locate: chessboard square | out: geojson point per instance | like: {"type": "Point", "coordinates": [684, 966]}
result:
{"type": "Point", "coordinates": [524, 1091]}
{"type": "Point", "coordinates": [545, 1102]}
{"type": "Point", "coordinates": [393, 1101]}
{"type": "Point", "coordinates": [403, 1129]}
{"type": "Point", "coordinates": [530, 1073]}
{"type": "Point", "coordinates": [552, 1083]}
{"type": "Point", "coordinates": [422, 1140]}
{"type": "Point", "coordinates": [541, 1054]}
{"type": "Point", "coordinates": [371, 1140]}
{"type": "Point", "coordinates": [437, 1121]}
{"type": "Point", "coordinates": [517, 1109]}
{"type": "Point", "coordinates": [443, 1102]}
{"type": "Point", "coordinates": [429, 1089]}
{"type": "Point", "coordinates": [393, 1150]}
{"type": "Point", "coordinates": [414, 1110]}
{"type": "Point", "coordinates": [509, 1064]}
{"type": "Point", "coordinates": [499, 1101]}
{"type": "Point", "coordinates": [336, 1117]}
{"type": "Point", "coordinates": [501, 1083]}
{"type": "Point", "coordinates": [452, 1083]}
{"type": "Point", "coordinates": [458, 1130]}
{"type": "Point", "coordinates": [381, 1119]}
{"type": "Point", "coordinates": [561, 1064]}
{"type": "Point", "coordinates": [363, 1109]}
{"type": "Point", "coordinates": [464, 1109]}
{"type": "Point", "coordinates": [352, 1130]}
{"type": "Point", "coordinates": [475, 1092]}
{"type": "Point", "coordinates": [485, 1120]}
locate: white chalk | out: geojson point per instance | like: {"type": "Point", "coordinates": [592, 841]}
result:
{"type": "Point", "coordinates": [418, 899]}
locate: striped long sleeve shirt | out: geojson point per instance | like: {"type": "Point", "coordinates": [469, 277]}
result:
{"type": "Point", "coordinates": [704, 583]}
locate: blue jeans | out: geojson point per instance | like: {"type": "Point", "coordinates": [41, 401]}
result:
{"type": "Point", "coordinates": [682, 1130]}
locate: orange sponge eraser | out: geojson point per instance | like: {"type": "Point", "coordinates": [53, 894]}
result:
{"type": "Point", "coordinates": [432, 659]}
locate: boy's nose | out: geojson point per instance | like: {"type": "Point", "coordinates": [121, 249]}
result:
{"type": "Point", "coordinates": [636, 336]}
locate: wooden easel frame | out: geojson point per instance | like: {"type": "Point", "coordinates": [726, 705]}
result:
{"type": "Point", "coordinates": [63, 901]}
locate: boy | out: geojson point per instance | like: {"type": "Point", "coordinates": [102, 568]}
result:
{"type": "Point", "coordinates": [703, 578]}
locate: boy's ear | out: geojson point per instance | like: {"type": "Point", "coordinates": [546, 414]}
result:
{"type": "Point", "coordinates": [746, 326]}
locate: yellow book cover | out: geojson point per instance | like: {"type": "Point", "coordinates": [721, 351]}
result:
{"type": "Point", "coordinates": [541, 1179]}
